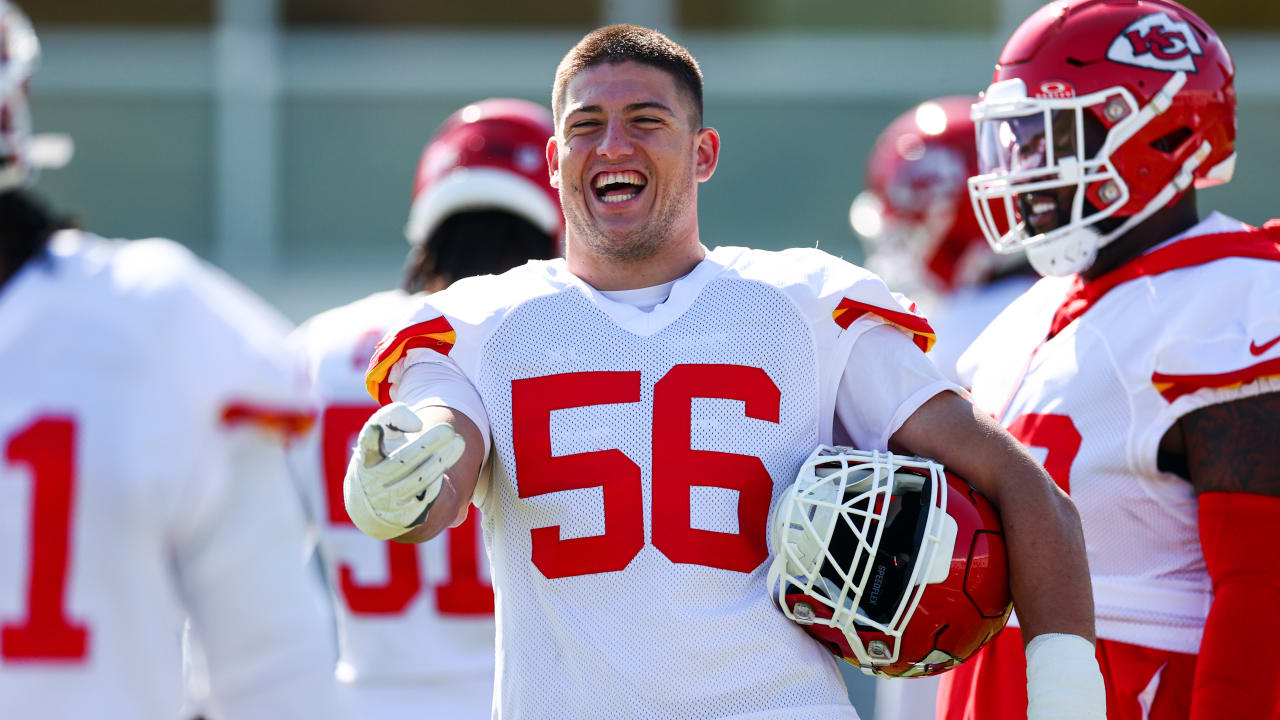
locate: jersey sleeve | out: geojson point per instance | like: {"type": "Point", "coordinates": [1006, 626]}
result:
{"type": "Point", "coordinates": [843, 303]}
{"type": "Point", "coordinates": [240, 565]}
{"type": "Point", "coordinates": [886, 380]}
{"type": "Point", "coordinates": [1223, 345]}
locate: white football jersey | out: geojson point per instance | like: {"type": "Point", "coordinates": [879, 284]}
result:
{"type": "Point", "coordinates": [406, 613]}
{"type": "Point", "coordinates": [635, 458]}
{"type": "Point", "coordinates": [962, 315]}
{"type": "Point", "coordinates": [142, 478]}
{"type": "Point", "coordinates": [1188, 329]}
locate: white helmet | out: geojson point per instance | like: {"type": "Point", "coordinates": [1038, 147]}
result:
{"type": "Point", "coordinates": [891, 563]}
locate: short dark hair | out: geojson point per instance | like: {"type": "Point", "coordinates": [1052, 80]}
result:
{"type": "Point", "coordinates": [629, 43]}
{"type": "Point", "coordinates": [475, 242]}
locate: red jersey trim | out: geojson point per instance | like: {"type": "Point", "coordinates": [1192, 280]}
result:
{"type": "Point", "coordinates": [286, 420]}
{"type": "Point", "coordinates": [1263, 244]}
{"type": "Point", "coordinates": [848, 311]}
{"type": "Point", "coordinates": [1173, 387]}
{"type": "Point", "coordinates": [435, 334]}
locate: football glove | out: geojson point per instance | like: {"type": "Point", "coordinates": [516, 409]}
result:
{"type": "Point", "coordinates": [396, 470]}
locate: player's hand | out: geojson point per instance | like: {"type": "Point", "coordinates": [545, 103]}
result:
{"type": "Point", "coordinates": [396, 471]}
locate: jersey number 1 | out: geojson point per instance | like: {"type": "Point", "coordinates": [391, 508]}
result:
{"type": "Point", "coordinates": [47, 448]}
{"type": "Point", "coordinates": [677, 468]}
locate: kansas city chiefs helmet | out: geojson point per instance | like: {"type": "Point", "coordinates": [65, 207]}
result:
{"type": "Point", "coordinates": [889, 561]}
{"type": "Point", "coordinates": [1100, 113]}
{"type": "Point", "coordinates": [488, 155]}
{"type": "Point", "coordinates": [20, 152]}
{"type": "Point", "coordinates": [914, 215]}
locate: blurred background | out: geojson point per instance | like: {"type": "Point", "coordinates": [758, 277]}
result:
{"type": "Point", "coordinates": [279, 138]}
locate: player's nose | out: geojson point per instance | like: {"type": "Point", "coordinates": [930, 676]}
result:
{"type": "Point", "coordinates": [616, 143]}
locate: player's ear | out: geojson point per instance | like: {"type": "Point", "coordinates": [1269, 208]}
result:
{"type": "Point", "coordinates": [707, 149]}
{"type": "Point", "coordinates": [553, 161]}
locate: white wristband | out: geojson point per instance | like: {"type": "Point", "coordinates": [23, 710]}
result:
{"type": "Point", "coordinates": [1063, 680]}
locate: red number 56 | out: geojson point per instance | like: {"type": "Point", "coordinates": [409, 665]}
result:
{"type": "Point", "coordinates": [676, 469]}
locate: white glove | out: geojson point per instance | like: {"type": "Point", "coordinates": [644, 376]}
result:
{"type": "Point", "coordinates": [393, 479]}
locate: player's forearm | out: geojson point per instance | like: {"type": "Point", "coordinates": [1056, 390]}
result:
{"type": "Point", "coordinates": [1049, 573]}
{"type": "Point", "coordinates": [459, 482]}
{"type": "Point", "coordinates": [1048, 569]}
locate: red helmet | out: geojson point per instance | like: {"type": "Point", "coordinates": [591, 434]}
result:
{"type": "Point", "coordinates": [488, 155]}
{"type": "Point", "coordinates": [19, 58]}
{"type": "Point", "coordinates": [891, 563]}
{"type": "Point", "coordinates": [914, 215]}
{"type": "Point", "coordinates": [1140, 100]}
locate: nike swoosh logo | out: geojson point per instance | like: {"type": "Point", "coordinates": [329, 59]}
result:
{"type": "Point", "coordinates": [1256, 349]}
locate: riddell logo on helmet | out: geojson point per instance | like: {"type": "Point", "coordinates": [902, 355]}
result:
{"type": "Point", "coordinates": [1158, 42]}
{"type": "Point", "coordinates": [1055, 89]}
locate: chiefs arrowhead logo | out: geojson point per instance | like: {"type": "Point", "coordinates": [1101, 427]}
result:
{"type": "Point", "coordinates": [1158, 42]}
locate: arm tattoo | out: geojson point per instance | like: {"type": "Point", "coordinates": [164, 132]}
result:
{"type": "Point", "coordinates": [1235, 446]}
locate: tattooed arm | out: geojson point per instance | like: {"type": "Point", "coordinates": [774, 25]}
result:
{"type": "Point", "coordinates": [1231, 454]}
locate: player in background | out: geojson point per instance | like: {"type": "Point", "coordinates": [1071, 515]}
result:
{"type": "Point", "coordinates": [415, 622]}
{"type": "Point", "coordinates": [920, 234]}
{"type": "Point", "coordinates": [142, 472]}
{"type": "Point", "coordinates": [647, 400]}
{"type": "Point", "coordinates": [1144, 367]}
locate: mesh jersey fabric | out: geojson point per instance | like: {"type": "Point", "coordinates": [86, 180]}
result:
{"type": "Point", "coordinates": [142, 436]}
{"type": "Point", "coordinates": [616, 599]}
{"type": "Point", "coordinates": [962, 315]}
{"type": "Point", "coordinates": [414, 617]}
{"type": "Point", "coordinates": [1089, 407]}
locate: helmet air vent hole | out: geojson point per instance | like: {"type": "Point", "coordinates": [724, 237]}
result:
{"type": "Point", "coordinates": [1170, 142]}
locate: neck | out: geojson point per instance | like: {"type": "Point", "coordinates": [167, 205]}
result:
{"type": "Point", "coordinates": [1162, 225]}
{"type": "Point", "coordinates": [603, 272]}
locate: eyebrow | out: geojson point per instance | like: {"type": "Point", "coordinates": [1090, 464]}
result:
{"type": "Point", "coordinates": [647, 105]}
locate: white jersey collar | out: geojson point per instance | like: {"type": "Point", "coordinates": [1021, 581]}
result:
{"type": "Point", "coordinates": [629, 309]}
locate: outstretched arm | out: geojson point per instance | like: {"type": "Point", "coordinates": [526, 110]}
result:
{"type": "Point", "coordinates": [459, 483]}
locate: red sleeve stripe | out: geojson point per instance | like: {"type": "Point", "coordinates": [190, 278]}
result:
{"type": "Point", "coordinates": [1173, 387]}
{"type": "Point", "coordinates": [289, 421]}
{"type": "Point", "coordinates": [848, 311]}
{"type": "Point", "coordinates": [435, 334]}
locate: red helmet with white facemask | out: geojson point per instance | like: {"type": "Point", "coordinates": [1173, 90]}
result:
{"type": "Point", "coordinates": [914, 216]}
{"type": "Point", "coordinates": [890, 562]}
{"type": "Point", "coordinates": [20, 152]}
{"type": "Point", "coordinates": [490, 155]}
{"type": "Point", "coordinates": [1139, 101]}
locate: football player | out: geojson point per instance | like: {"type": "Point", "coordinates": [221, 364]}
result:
{"type": "Point", "coordinates": [1144, 367]}
{"type": "Point", "coordinates": [416, 621]}
{"type": "Point", "coordinates": [142, 469]}
{"type": "Point", "coordinates": [920, 233]}
{"type": "Point", "coordinates": [645, 401]}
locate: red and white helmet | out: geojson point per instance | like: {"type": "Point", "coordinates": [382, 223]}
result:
{"type": "Point", "coordinates": [1140, 100]}
{"type": "Point", "coordinates": [19, 57]}
{"type": "Point", "coordinates": [914, 216]}
{"type": "Point", "coordinates": [488, 155]}
{"type": "Point", "coordinates": [891, 563]}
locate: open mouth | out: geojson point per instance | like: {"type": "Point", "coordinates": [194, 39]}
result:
{"type": "Point", "coordinates": [618, 187]}
{"type": "Point", "coordinates": [1040, 211]}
